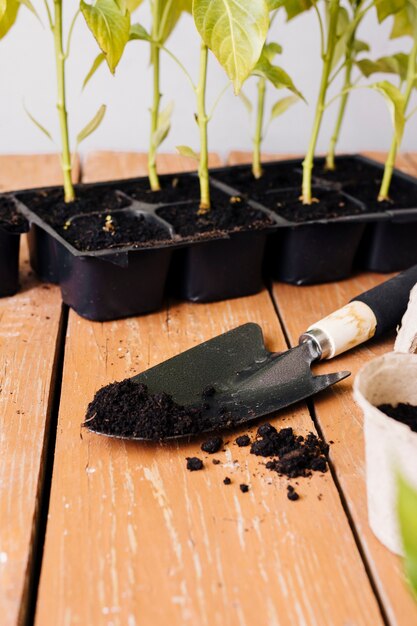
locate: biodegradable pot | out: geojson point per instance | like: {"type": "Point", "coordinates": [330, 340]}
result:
{"type": "Point", "coordinates": [219, 270]}
{"type": "Point", "coordinates": [314, 253]}
{"type": "Point", "coordinates": [9, 263]}
{"type": "Point", "coordinates": [390, 446]}
{"type": "Point", "coordinates": [113, 286]}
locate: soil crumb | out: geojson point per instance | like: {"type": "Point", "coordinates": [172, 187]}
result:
{"type": "Point", "coordinates": [243, 441]}
{"type": "Point", "coordinates": [194, 464]}
{"type": "Point", "coordinates": [404, 413]}
{"type": "Point", "coordinates": [296, 455]}
{"type": "Point", "coordinates": [212, 445]}
{"type": "Point", "coordinates": [292, 494]}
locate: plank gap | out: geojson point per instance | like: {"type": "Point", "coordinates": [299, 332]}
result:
{"type": "Point", "coordinates": [349, 516]}
{"type": "Point", "coordinates": [334, 475]}
{"type": "Point", "coordinates": [40, 520]}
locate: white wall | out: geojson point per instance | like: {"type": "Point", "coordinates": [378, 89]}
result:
{"type": "Point", "coordinates": [27, 74]}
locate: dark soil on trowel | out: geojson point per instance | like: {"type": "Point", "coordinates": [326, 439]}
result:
{"type": "Point", "coordinates": [404, 413]}
{"type": "Point", "coordinates": [127, 409]}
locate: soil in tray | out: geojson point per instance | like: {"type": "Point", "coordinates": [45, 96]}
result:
{"type": "Point", "coordinates": [404, 413]}
{"type": "Point", "coordinates": [10, 219]}
{"type": "Point", "coordinates": [403, 194]}
{"type": "Point", "coordinates": [111, 230]}
{"type": "Point", "coordinates": [51, 207]}
{"type": "Point", "coordinates": [348, 170]}
{"type": "Point", "coordinates": [227, 213]}
{"type": "Point", "coordinates": [275, 176]}
{"type": "Point", "coordinates": [328, 204]}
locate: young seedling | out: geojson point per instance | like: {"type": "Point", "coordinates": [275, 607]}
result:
{"type": "Point", "coordinates": [329, 41]}
{"type": "Point", "coordinates": [267, 72]}
{"type": "Point", "coordinates": [398, 98]}
{"type": "Point", "coordinates": [165, 14]}
{"type": "Point", "coordinates": [407, 517]}
{"type": "Point", "coordinates": [235, 33]}
{"type": "Point", "coordinates": [62, 51]}
{"type": "Point", "coordinates": [349, 48]}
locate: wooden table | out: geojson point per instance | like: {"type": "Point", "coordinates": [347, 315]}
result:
{"type": "Point", "coordinates": [101, 532]}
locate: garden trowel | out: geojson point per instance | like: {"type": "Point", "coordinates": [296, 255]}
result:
{"type": "Point", "coordinates": [248, 381]}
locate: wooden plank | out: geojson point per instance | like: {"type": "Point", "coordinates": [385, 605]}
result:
{"type": "Point", "coordinates": [236, 157]}
{"type": "Point", "coordinates": [134, 539]}
{"type": "Point", "coordinates": [341, 421]}
{"type": "Point", "coordinates": [132, 164]}
{"type": "Point", "coordinates": [29, 328]}
{"type": "Point", "coordinates": [22, 171]}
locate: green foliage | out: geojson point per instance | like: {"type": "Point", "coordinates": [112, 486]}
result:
{"type": "Point", "coordinates": [92, 125]}
{"type": "Point", "coordinates": [234, 32]}
{"type": "Point", "coordinates": [396, 102]}
{"type": "Point", "coordinates": [186, 151]}
{"type": "Point", "coordinates": [386, 8]}
{"type": "Point", "coordinates": [8, 14]}
{"type": "Point", "coordinates": [395, 64]}
{"type": "Point", "coordinates": [277, 76]}
{"type": "Point", "coordinates": [164, 125]}
{"type": "Point", "coordinates": [407, 516]}
{"type": "Point", "coordinates": [110, 24]}
{"type": "Point", "coordinates": [282, 105]}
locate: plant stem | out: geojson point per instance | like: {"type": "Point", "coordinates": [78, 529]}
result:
{"type": "Point", "coordinates": [392, 154]}
{"type": "Point", "coordinates": [69, 193]}
{"type": "Point", "coordinates": [155, 60]}
{"type": "Point", "coordinates": [257, 141]}
{"type": "Point", "coordinates": [202, 120]}
{"type": "Point", "coordinates": [330, 158]}
{"type": "Point", "coordinates": [327, 65]}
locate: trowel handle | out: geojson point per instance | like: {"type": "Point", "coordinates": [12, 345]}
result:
{"type": "Point", "coordinates": [369, 315]}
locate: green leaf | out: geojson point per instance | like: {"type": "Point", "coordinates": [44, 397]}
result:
{"type": "Point", "coordinates": [295, 7]}
{"type": "Point", "coordinates": [132, 5]}
{"type": "Point", "coordinates": [93, 69]}
{"type": "Point", "coordinates": [188, 152]}
{"type": "Point", "coordinates": [407, 514]}
{"type": "Point", "coordinates": [110, 26]}
{"type": "Point", "coordinates": [270, 50]}
{"type": "Point", "coordinates": [360, 46]}
{"type": "Point", "coordinates": [38, 124]}
{"type": "Point", "coordinates": [92, 125]}
{"type": "Point", "coordinates": [246, 102]}
{"type": "Point", "coordinates": [396, 105]}
{"type": "Point", "coordinates": [385, 8]}
{"type": "Point", "coordinates": [164, 125]}
{"type": "Point", "coordinates": [138, 32]}
{"type": "Point", "coordinates": [342, 35]}
{"type": "Point", "coordinates": [405, 22]}
{"type": "Point", "coordinates": [235, 31]}
{"type": "Point", "coordinates": [283, 105]}
{"type": "Point", "coordinates": [274, 4]}
{"type": "Point", "coordinates": [169, 12]}
{"type": "Point", "coordinates": [276, 75]}
{"type": "Point", "coordinates": [395, 64]}
{"type": "Point", "coordinates": [8, 15]}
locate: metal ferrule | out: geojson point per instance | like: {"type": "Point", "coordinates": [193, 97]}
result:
{"type": "Point", "coordinates": [320, 340]}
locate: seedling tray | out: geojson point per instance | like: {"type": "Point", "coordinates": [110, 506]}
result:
{"type": "Point", "coordinates": [133, 279]}
{"type": "Point", "coordinates": [380, 238]}
{"type": "Point", "coordinates": [223, 263]}
{"type": "Point", "coordinates": [10, 232]}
